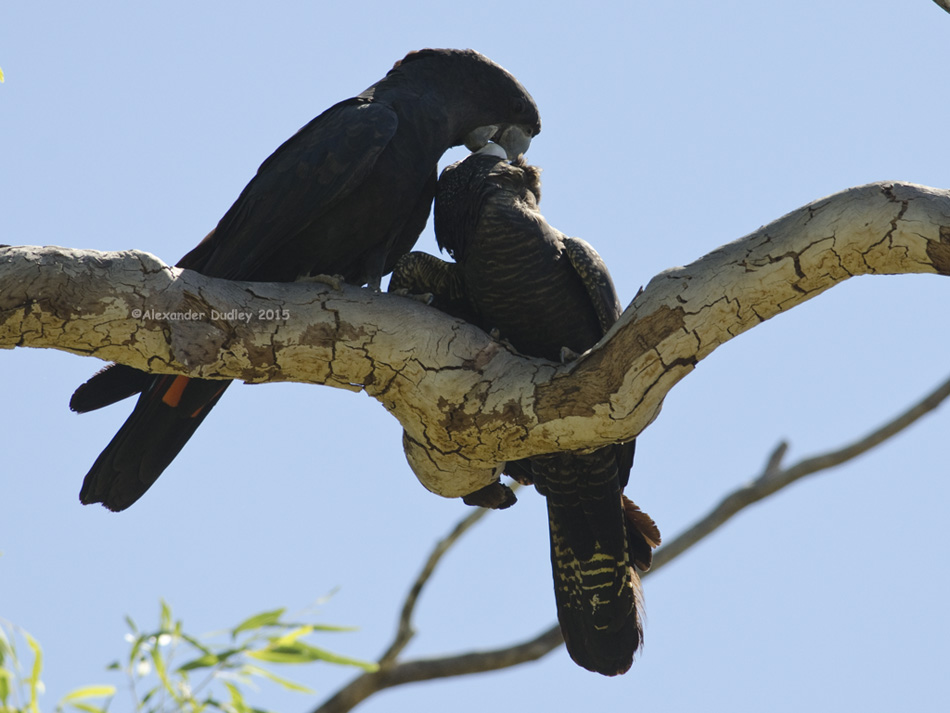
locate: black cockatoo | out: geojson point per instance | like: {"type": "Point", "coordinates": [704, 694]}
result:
{"type": "Point", "coordinates": [549, 296]}
{"type": "Point", "coordinates": [347, 195]}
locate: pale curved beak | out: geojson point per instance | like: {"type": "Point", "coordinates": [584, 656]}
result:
{"type": "Point", "coordinates": [492, 149]}
{"type": "Point", "coordinates": [479, 137]}
{"type": "Point", "coordinates": [514, 138]}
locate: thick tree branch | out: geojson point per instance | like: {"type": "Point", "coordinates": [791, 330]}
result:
{"type": "Point", "coordinates": [467, 403]}
{"type": "Point", "coordinates": [772, 479]}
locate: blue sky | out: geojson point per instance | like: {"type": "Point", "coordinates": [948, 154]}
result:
{"type": "Point", "coordinates": [669, 129]}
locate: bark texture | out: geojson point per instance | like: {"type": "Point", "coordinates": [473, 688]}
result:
{"type": "Point", "coordinates": [467, 403]}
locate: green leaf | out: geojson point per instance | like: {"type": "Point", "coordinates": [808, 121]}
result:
{"type": "Point", "coordinates": [35, 673]}
{"type": "Point", "coordinates": [208, 660]}
{"type": "Point", "coordinates": [287, 625]}
{"type": "Point", "coordinates": [166, 618]}
{"type": "Point", "coordinates": [267, 618]}
{"type": "Point", "coordinates": [289, 685]}
{"type": "Point", "coordinates": [149, 693]}
{"type": "Point", "coordinates": [291, 636]}
{"type": "Point", "coordinates": [304, 653]}
{"type": "Point", "coordinates": [237, 699]}
{"type": "Point", "coordinates": [6, 647]}
{"type": "Point", "coordinates": [1, 76]}
{"type": "Point", "coordinates": [162, 672]}
{"type": "Point", "coordinates": [88, 707]}
{"type": "Point", "coordinates": [140, 641]}
{"type": "Point", "coordinates": [330, 657]}
{"type": "Point", "coordinates": [330, 627]}
{"type": "Point", "coordinates": [197, 644]}
{"type": "Point", "coordinates": [4, 687]}
{"type": "Point", "coordinates": [89, 692]}
{"type": "Point", "coordinates": [283, 654]}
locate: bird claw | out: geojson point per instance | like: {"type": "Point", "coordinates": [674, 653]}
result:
{"type": "Point", "coordinates": [568, 355]}
{"type": "Point", "coordinates": [497, 336]}
{"type": "Point", "coordinates": [334, 281]}
{"type": "Point", "coordinates": [425, 298]}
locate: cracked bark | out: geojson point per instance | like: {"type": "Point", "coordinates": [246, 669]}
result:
{"type": "Point", "coordinates": [467, 403]}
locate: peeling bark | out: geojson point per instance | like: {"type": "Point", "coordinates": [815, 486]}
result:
{"type": "Point", "coordinates": [466, 402]}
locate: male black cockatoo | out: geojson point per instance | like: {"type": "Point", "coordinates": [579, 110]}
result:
{"type": "Point", "coordinates": [549, 296]}
{"type": "Point", "coordinates": [347, 195]}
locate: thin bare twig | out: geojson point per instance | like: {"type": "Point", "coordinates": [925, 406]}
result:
{"type": "Point", "coordinates": [405, 632]}
{"type": "Point", "coordinates": [772, 479]}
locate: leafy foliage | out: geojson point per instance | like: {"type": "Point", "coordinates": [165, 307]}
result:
{"type": "Point", "coordinates": [18, 691]}
{"type": "Point", "coordinates": [215, 668]}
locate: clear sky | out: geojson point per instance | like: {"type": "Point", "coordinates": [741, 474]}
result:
{"type": "Point", "coordinates": [669, 129]}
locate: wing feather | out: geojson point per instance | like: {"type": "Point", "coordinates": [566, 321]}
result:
{"type": "Point", "coordinates": [592, 270]}
{"type": "Point", "coordinates": [300, 182]}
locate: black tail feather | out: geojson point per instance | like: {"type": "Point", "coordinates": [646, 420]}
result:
{"type": "Point", "coordinates": [107, 386]}
{"type": "Point", "coordinates": [149, 440]}
{"type": "Point", "coordinates": [596, 592]}
{"type": "Point", "coordinates": [597, 536]}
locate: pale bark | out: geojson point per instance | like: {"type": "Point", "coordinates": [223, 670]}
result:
{"type": "Point", "coordinates": [466, 402]}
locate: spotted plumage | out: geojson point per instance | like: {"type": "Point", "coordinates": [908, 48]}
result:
{"type": "Point", "coordinates": [549, 296]}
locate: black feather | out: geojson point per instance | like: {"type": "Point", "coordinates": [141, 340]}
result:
{"type": "Point", "coordinates": [544, 292]}
{"type": "Point", "coordinates": [347, 195]}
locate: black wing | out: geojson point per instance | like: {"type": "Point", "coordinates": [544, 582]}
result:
{"type": "Point", "coordinates": [300, 182]}
{"type": "Point", "coordinates": [592, 270]}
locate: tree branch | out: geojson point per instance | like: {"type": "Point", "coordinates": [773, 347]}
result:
{"type": "Point", "coordinates": [466, 402]}
{"type": "Point", "coordinates": [772, 479]}
{"type": "Point", "coordinates": [405, 632]}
